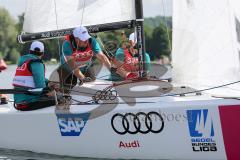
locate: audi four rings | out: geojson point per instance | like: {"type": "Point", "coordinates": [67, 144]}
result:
{"type": "Point", "coordinates": [140, 126]}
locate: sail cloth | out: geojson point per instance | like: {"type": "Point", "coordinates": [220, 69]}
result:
{"type": "Point", "coordinates": [205, 43]}
{"type": "Point", "coordinates": [51, 15]}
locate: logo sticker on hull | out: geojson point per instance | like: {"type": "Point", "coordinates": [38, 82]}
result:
{"type": "Point", "coordinates": [72, 124]}
{"type": "Point", "coordinates": [129, 145]}
{"type": "Point", "coordinates": [140, 122]}
{"type": "Point", "coordinates": [201, 130]}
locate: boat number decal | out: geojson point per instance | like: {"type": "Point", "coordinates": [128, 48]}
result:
{"type": "Point", "coordinates": [72, 124]}
{"type": "Point", "coordinates": [137, 123]}
{"type": "Point", "coordinates": [201, 130]}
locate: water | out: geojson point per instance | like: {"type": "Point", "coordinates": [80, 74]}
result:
{"type": "Point", "coordinates": [6, 82]}
{"type": "Point", "coordinates": [8, 154]}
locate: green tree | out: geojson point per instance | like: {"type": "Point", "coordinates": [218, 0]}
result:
{"type": "Point", "coordinates": [8, 34]}
{"type": "Point", "coordinates": [14, 56]}
{"type": "Point", "coordinates": [51, 46]}
{"type": "Point", "coordinates": [148, 36]}
{"type": "Point", "coordinates": [160, 41]}
{"type": "Point", "coordinates": [52, 49]}
{"type": "Point", "coordinates": [22, 48]}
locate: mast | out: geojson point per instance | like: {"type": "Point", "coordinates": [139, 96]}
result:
{"type": "Point", "coordinates": [140, 38]}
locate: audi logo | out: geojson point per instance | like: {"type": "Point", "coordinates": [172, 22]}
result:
{"type": "Point", "coordinates": [137, 123]}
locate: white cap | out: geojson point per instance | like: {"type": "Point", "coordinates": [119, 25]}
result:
{"type": "Point", "coordinates": [37, 44]}
{"type": "Point", "coordinates": [81, 33]}
{"type": "Point", "coordinates": [132, 37]}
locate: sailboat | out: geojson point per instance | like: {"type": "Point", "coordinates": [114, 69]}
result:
{"type": "Point", "coordinates": [194, 117]}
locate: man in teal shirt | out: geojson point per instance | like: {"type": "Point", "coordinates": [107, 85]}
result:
{"type": "Point", "coordinates": [127, 54]}
{"type": "Point", "coordinates": [30, 74]}
{"type": "Point", "coordinates": [78, 51]}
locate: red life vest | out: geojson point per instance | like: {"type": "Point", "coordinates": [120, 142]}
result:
{"type": "Point", "coordinates": [129, 68]}
{"type": "Point", "coordinates": [23, 76]}
{"type": "Point", "coordinates": [81, 58]}
{"type": "Point", "coordinates": [130, 63]}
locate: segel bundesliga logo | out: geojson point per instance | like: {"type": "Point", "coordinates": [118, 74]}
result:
{"type": "Point", "coordinates": [72, 124]}
{"type": "Point", "coordinates": [201, 130]}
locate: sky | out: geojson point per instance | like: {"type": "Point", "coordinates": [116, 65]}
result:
{"type": "Point", "coordinates": [151, 8]}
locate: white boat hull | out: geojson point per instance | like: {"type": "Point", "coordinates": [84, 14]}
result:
{"type": "Point", "coordinates": [77, 133]}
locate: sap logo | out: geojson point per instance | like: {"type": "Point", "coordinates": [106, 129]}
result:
{"type": "Point", "coordinates": [200, 123]}
{"type": "Point", "coordinates": [72, 124]}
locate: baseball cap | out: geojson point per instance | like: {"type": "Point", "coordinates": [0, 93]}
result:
{"type": "Point", "coordinates": [132, 37]}
{"type": "Point", "coordinates": [81, 33]}
{"type": "Point", "coordinates": [37, 46]}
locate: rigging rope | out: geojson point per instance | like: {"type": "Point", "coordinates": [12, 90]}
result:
{"type": "Point", "coordinates": [59, 47]}
{"type": "Point", "coordinates": [72, 76]}
{"type": "Point", "coordinates": [109, 94]}
{"type": "Point", "coordinates": [83, 11]}
{"type": "Point", "coordinates": [190, 92]}
{"type": "Point", "coordinates": [110, 55]}
{"type": "Point", "coordinates": [162, 95]}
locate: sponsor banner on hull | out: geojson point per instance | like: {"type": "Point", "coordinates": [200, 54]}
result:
{"type": "Point", "coordinates": [229, 116]}
{"type": "Point", "coordinates": [201, 130]}
{"type": "Point", "coordinates": [183, 132]}
{"type": "Point", "coordinates": [72, 124]}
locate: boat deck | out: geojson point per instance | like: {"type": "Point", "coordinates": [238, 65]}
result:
{"type": "Point", "coordinates": [177, 97]}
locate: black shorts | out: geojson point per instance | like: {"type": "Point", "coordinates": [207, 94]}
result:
{"type": "Point", "coordinates": [68, 80]}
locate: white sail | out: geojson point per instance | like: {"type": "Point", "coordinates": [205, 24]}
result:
{"type": "Point", "coordinates": [206, 42]}
{"type": "Point", "coordinates": [50, 15]}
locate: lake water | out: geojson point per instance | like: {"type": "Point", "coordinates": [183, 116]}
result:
{"type": "Point", "coordinates": [6, 82]}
